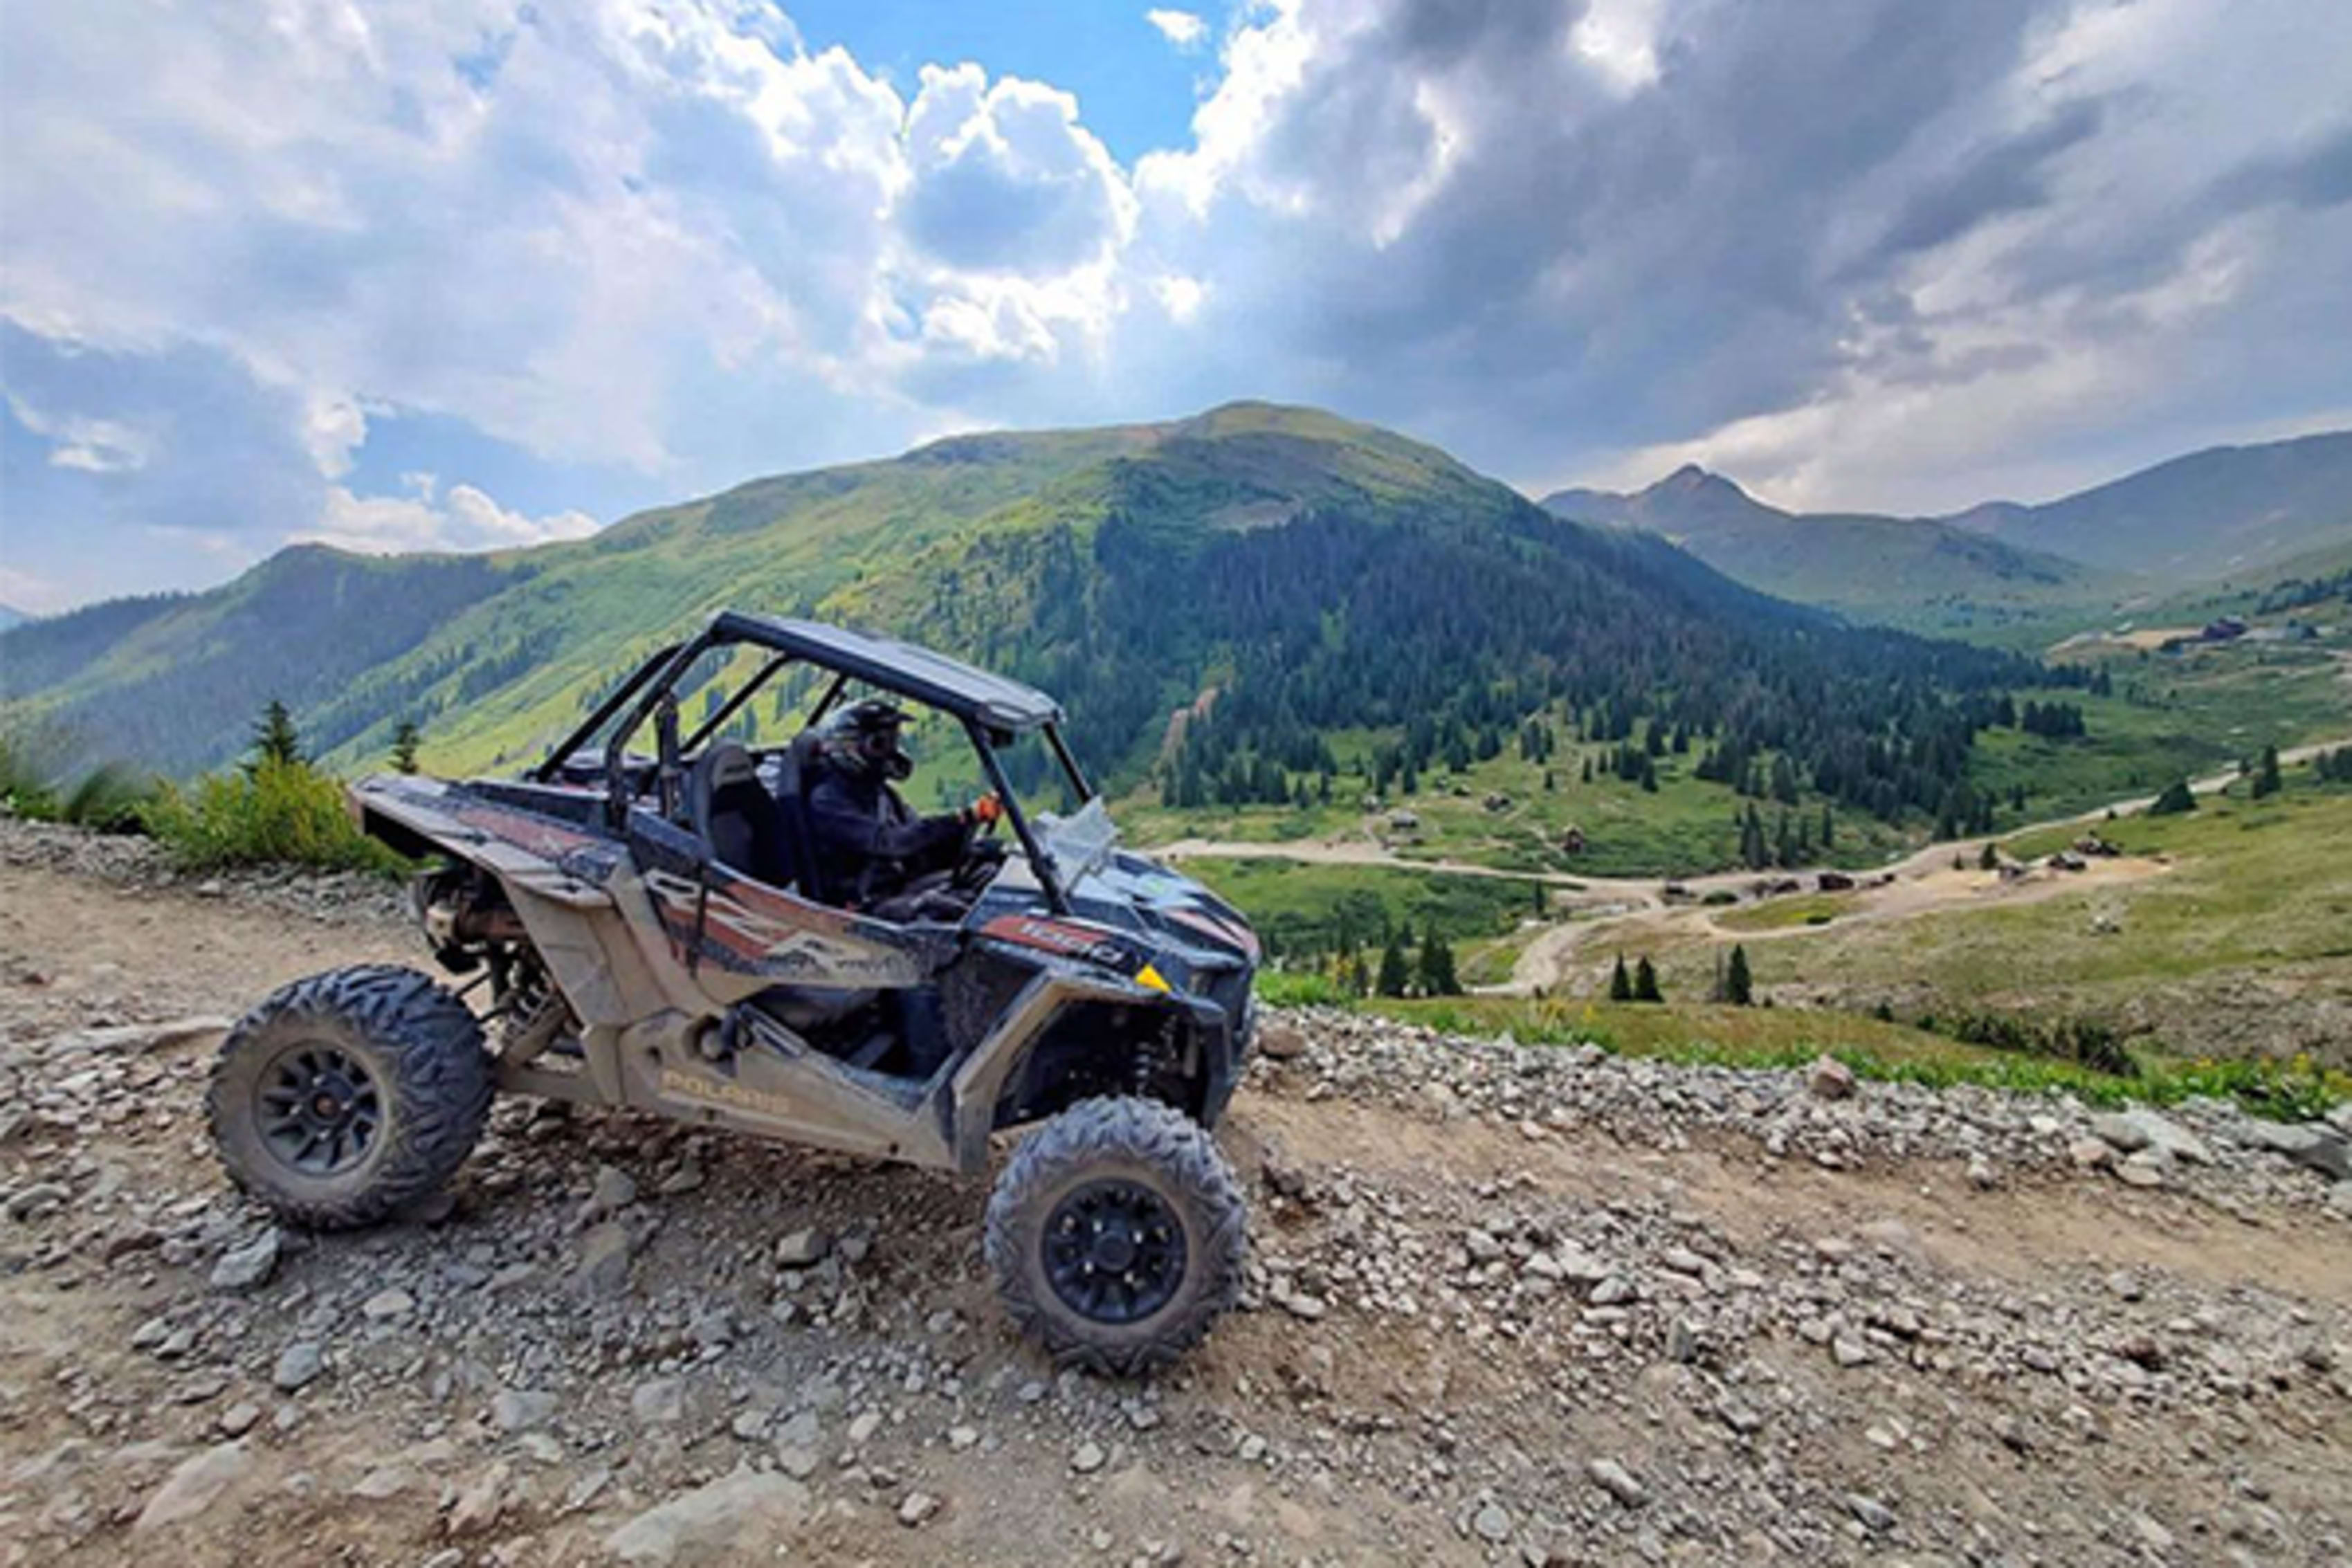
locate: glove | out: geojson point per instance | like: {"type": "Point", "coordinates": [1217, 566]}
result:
{"type": "Point", "coordinates": [985, 811]}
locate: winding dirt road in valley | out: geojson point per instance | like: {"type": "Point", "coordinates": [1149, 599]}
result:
{"type": "Point", "coordinates": [1611, 911]}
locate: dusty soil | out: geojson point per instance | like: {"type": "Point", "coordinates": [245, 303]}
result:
{"type": "Point", "coordinates": [1888, 1361]}
{"type": "Point", "coordinates": [1560, 957]}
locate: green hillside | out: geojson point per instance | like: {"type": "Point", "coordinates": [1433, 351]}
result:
{"type": "Point", "coordinates": [1297, 586]}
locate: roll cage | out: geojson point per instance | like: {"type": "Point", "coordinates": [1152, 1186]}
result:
{"type": "Point", "coordinates": [992, 711]}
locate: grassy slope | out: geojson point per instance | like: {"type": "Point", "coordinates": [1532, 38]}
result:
{"type": "Point", "coordinates": [2196, 712]}
{"type": "Point", "coordinates": [1685, 827]}
{"type": "Point", "coordinates": [498, 672]}
{"type": "Point", "coordinates": [2243, 947]}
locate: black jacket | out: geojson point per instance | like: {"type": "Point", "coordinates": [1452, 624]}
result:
{"type": "Point", "coordinates": [870, 844]}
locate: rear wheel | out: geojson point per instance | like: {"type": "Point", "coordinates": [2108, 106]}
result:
{"type": "Point", "coordinates": [346, 1096]}
{"type": "Point", "coordinates": [1116, 1234]}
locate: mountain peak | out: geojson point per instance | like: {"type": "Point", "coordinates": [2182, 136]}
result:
{"type": "Point", "coordinates": [1690, 479]}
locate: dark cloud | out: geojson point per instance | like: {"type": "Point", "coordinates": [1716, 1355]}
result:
{"type": "Point", "coordinates": [2004, 177]}
{"type": "Point", "coordinates": [1775, 218]}
{"type": "Point", "coordinates": [1628, 262]}
{"type": "Point", "coordinates": [2314, 175]}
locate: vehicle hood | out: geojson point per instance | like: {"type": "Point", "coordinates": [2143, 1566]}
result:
{"type": "Point", "coordinates": [1137, 893]}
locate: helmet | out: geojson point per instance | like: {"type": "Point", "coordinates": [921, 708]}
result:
{"type": "Point", "coordinates": [863, 739]}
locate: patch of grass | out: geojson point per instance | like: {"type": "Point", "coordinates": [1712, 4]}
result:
{"type": "Point", "coordinates": [1293, 988]}
{"type": "Point", "coordinates": [1302, 908]}
{"type": "Point", "coordinates": [2191, 713]}
{"type": "Point", "coordinates": [277, 814]}
{"type": "Point", "coordinates": [1811, 909]}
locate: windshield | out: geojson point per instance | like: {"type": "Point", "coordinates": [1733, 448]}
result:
{"type": "Point", "coordinates": [1079, 843]}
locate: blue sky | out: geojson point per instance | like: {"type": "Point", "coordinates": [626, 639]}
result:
{"type": "Point", "coordinates": [474, 274]}
{"type": "Point", "coordinates": [1137, 92]}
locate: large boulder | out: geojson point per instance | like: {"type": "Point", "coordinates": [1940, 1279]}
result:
{"type": "Point", "coordinates": [1830, 1079]}
{"type": "Point", "coordinates": [2140, 1128]}
{"type": "Point", "coordinates": [741, 1517]}
{"type": "Point", "coordinates": [2312, 1144]}
{"type": "Point", "coordinates": [196, 1486]}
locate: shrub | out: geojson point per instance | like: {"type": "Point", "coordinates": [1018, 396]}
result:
{"type": "Point", "coordinates": [2177, 798]}
{"type": "Point", "coordinates": [272, 813]}
{"type": "Point", "coordinates": [108, 797]}
{"type": "Point", "coordinates": [25, 787]}
{"type": "Point", "coordinates": [2084, 1041]}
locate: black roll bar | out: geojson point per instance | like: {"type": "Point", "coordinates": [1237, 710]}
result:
{"type": "Point", "coordinates": [658, 659]}
{"type": "Point", "coordinates": [616, 772]}
{"type": "Point", "coordinates": [1049, 876]}
{"type": "Point", "coordinates": [717, 720]}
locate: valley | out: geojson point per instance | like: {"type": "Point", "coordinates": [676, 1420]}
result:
{"type": "Point", "coordinates": [1370, 693]}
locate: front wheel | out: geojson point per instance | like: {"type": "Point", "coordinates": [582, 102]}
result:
{"type": "Point", "coordinates": [348, 1095]}
{"type": "Point", "coordinates": [1116, 1234]}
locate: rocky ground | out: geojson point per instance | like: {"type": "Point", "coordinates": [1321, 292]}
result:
{"type": "Point", "coordinates": [1507, 1306]}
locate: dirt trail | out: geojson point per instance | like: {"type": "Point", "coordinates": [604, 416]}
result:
{"type": "Point", "coordinates": [1361, 848]}
{"type": "Point", "coordinates": [1621, 910]}
{"type": "Point", "coordinates": [1410, 1388]}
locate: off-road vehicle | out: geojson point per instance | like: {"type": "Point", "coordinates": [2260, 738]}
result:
{"type": "Point", "coordinates": [653, 931]}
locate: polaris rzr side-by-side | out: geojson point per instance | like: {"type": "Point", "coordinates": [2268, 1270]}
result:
{"type": "Point", "coordinates": [655, 931]}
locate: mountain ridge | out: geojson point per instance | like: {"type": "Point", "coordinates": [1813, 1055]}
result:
{"type": "Point", "coordinates": [1862, 565]}
{"type": "Point", "coordinates": [2195, 517]}
{"type": "Point", "coordinates": [1326, 578]}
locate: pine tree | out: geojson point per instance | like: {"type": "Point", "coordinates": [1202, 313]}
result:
{"type": "Point", "coordinates": [2177, 798]}
{"type": "Point", "coordinates": [1645, 982]}
{"type": "Point", "coordinates": [274, 738]}
{"type": "Point", "coordinates": [1437, 978]}
{"type": "Point", "coordinates": [404, 740]}
{"type": "Point", "coordinates": [1738, 986]}
{"type": "Point", "coordinates": [1394, 974]}
{"type": "Point", "coordinates": [2266, 777]}
{"type": "Point", "coordinates": [1621, 984]}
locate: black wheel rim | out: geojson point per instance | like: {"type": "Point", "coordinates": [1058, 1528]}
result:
{"type": "Point", "coordinates": [1114, 1251]}
{"type": "Point", "coordinates": [318, 1109]}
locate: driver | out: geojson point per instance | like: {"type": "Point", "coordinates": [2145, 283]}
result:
{"type": "Point", "coordinates": [876, 853]}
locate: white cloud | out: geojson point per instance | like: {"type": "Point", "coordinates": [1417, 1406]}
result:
{"type": "Point", "coordinates": [429, 519]}
{"type": "Point", "coordinates": [1182, 29]}
{"type": "Point", "coordinates": [1179, 296]}
{"type": "Point", "coordinates": [1883, 264]}
{"type": "Point", "coordinates": [76, 441]}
